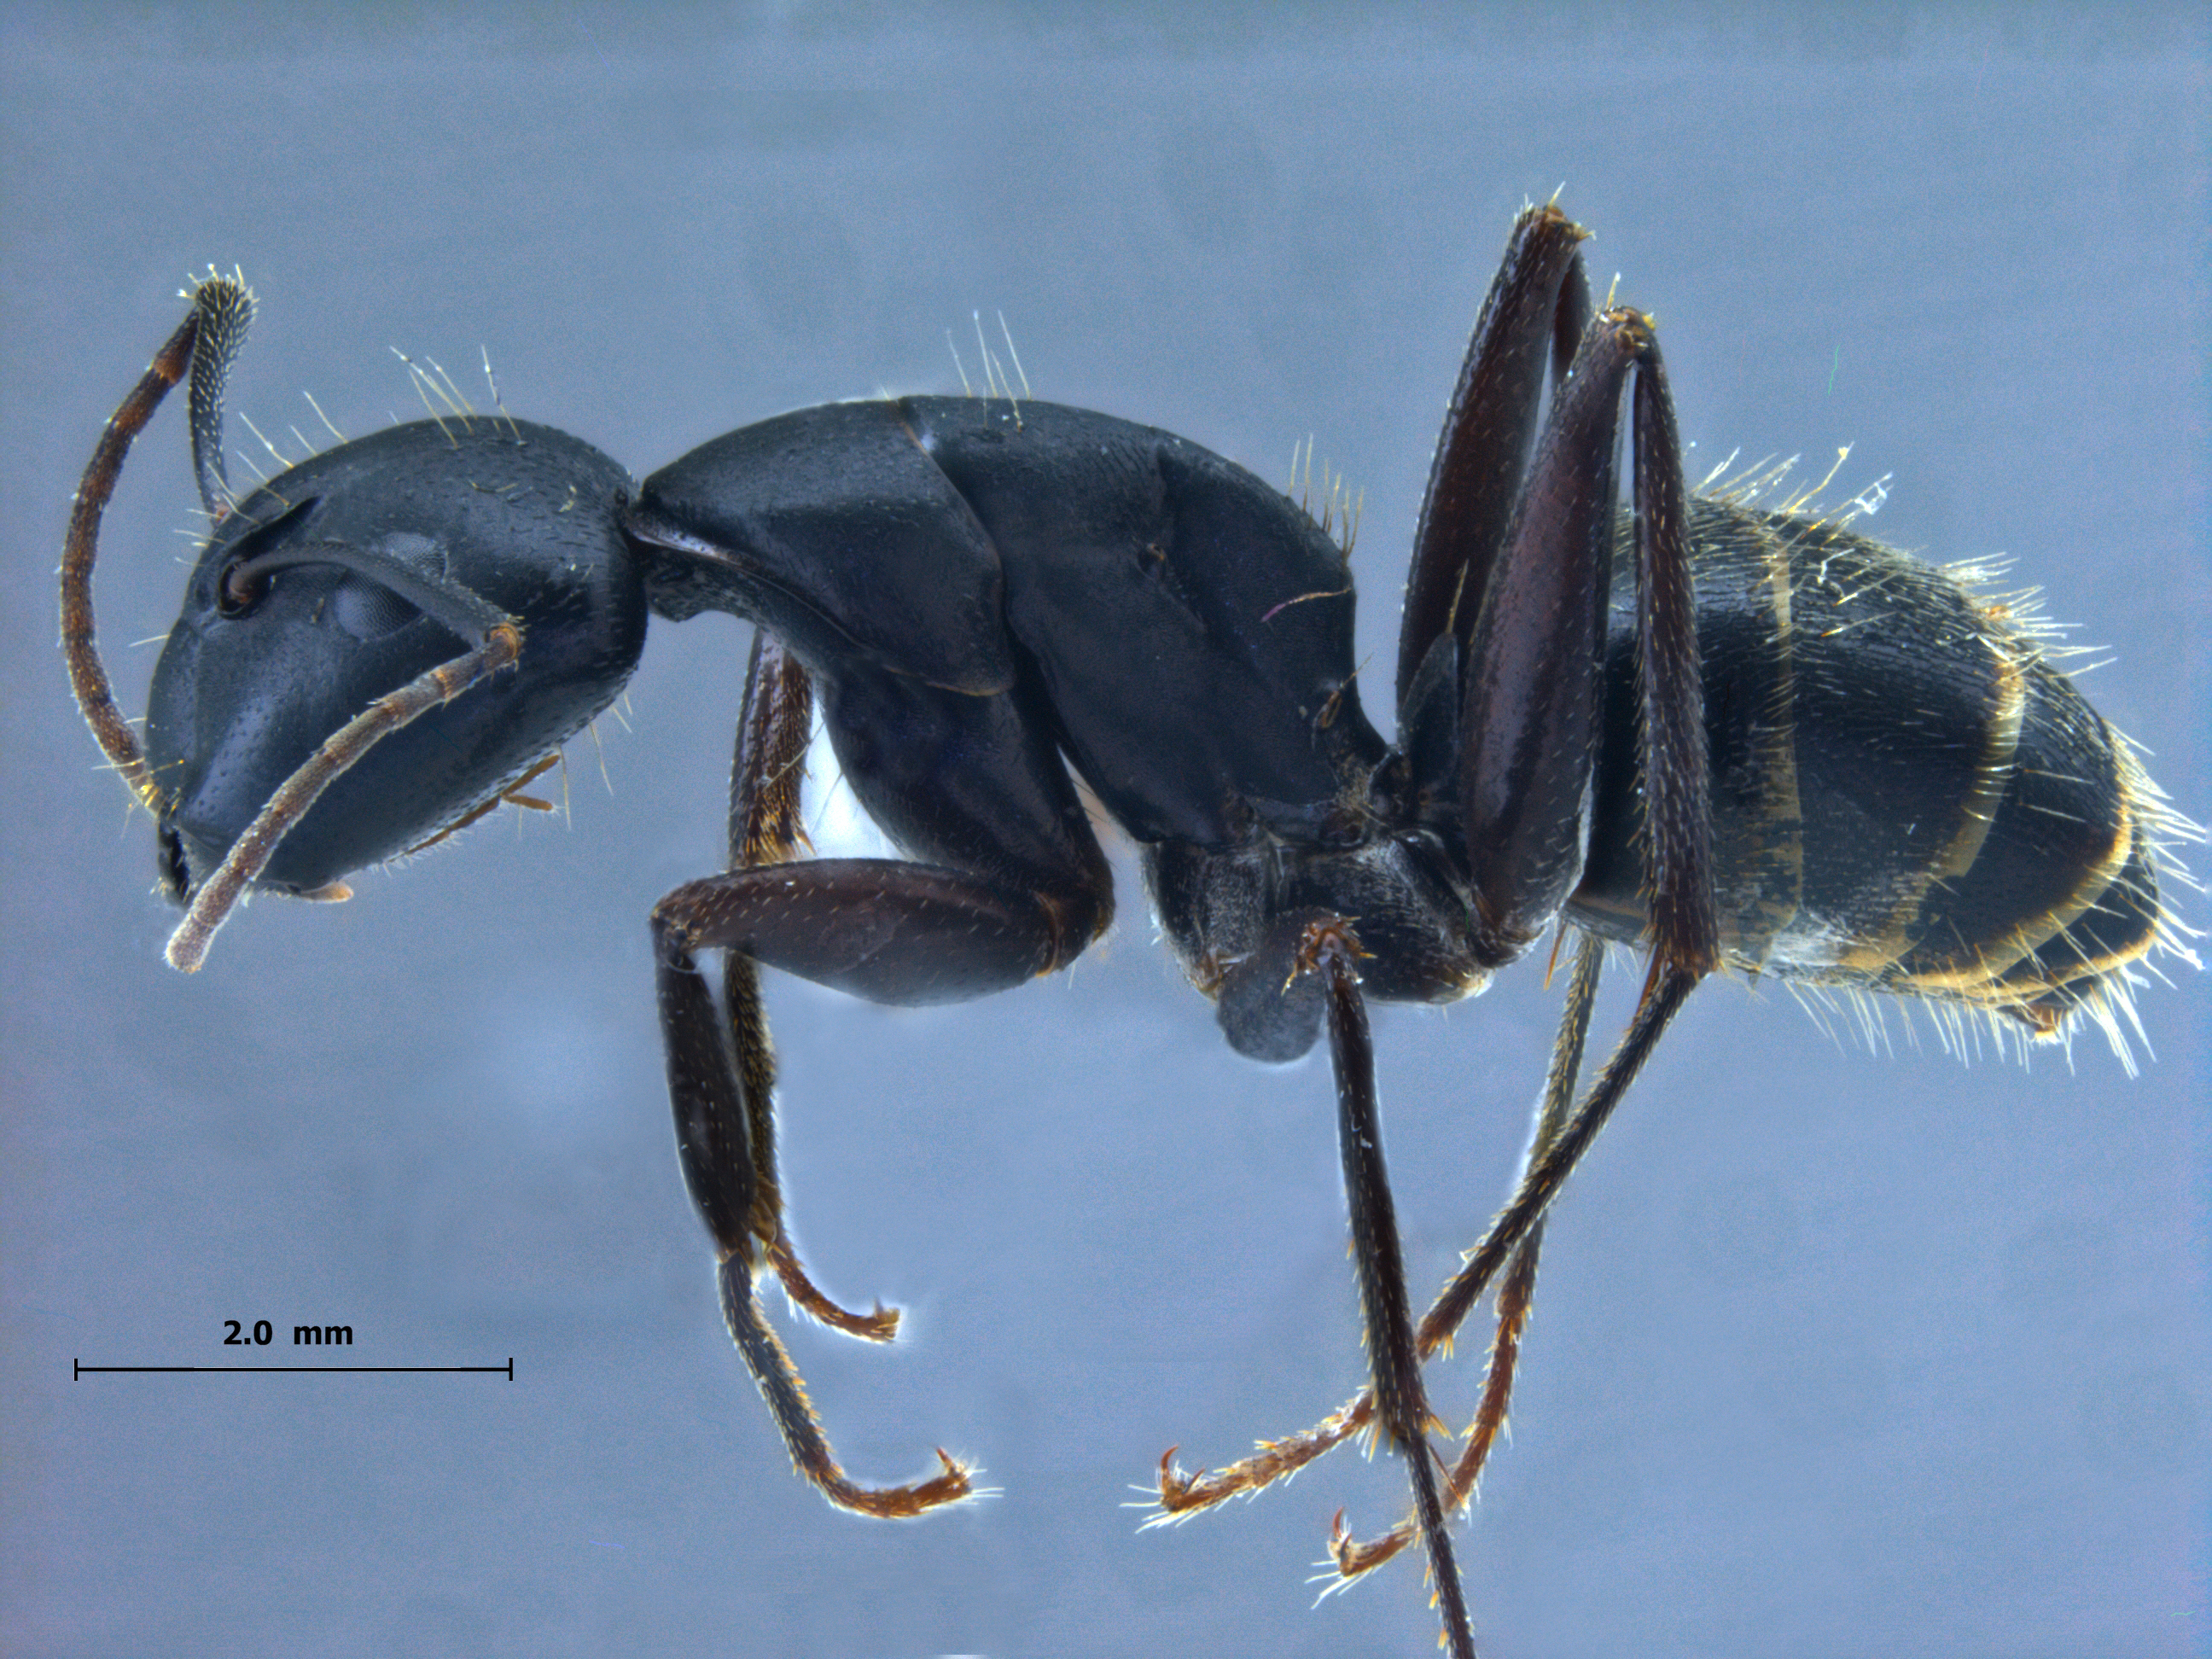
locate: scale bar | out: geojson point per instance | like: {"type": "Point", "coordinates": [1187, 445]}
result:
{"type": "Point", "coordinates": [79, 1369]}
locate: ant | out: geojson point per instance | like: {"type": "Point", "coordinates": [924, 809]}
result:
{"type": "Point", "coordinates": [1740, 737]}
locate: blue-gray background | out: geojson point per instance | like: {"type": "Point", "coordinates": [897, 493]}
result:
{"type": "Point", "coordinates": [1835, 1353]}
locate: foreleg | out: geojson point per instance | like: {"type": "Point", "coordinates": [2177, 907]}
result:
{"type": "Point", "coordinates": [887, 930]}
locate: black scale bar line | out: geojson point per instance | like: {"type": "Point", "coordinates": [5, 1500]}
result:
{"type": "Point", "coordinates": [78, 1368]}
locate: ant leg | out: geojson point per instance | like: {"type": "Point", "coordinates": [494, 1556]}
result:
{"type": "Point", "coordinates": [714, 1143]}
{"type": "Point", "coordinates": [1671, 763]}
{"type": "Point", "coordinates": [884, 929]}
{"type": "Point", "coordinates": [1402, 1407]}
{"type": "Point", "coordinates": [1538, 298]}
{"type": "Point", "coordinates": [1525, 765]}
{"type": "Point", "coordinates": [881, 928]}
{"type": "Point", "coordinates": [1526, 760]}
{"type": "Point", "coordinates": [1666, 991]}
{"type": "Point", "coordinates": [1353, 1557]}
{"type": "Point", "coordinates": [1526, 774]}
{"type": "Point", "coordinates": [1672, 757]}
{"type": "Point", "coordinates": [766, 773]}
{"type": "Point", "coordinates": [1180, 1495]}
{"type": "Point", "coordinates": [775, 723]}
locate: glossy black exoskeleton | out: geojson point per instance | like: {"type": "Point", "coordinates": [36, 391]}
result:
{"type": "Point", "coordinates": [1736, 736]}
{"type": "Point", "coordinates": [258, 672]}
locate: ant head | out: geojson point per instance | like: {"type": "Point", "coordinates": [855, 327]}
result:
{"type": "Point", "coordinates": [346, 577]}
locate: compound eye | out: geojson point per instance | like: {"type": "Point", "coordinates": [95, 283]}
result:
{"type": "Point", "coordinates": [364, 608]}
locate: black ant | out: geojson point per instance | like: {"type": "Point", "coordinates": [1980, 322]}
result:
{"type": "Point", "coordinates": [1785, 749]}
